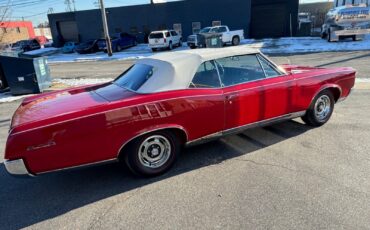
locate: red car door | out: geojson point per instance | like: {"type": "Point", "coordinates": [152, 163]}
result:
{"type": "Point", "coordinates": [254, 90]}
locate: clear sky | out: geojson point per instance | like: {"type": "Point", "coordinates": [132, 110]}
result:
{"type": "Point", "coordinates": [36, 10]}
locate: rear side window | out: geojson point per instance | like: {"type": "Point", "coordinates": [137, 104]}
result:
{"type": "Point", "coordinates": [173, 33]}
{"type": "Point", "coordinates": [206, 76]}
{"type": "Point", "coordinates": [135, 77]}
{"type": "Point", "coordinates": [156, 35]}
{"type": "Point", "coordinates": [168, 34]}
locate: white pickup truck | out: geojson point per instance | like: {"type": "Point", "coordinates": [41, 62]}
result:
{"type": "Point", "coordinates": [228, 37]}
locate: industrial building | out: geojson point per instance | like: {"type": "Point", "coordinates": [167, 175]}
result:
{"type": "Point", "coordinates": [258, 18]}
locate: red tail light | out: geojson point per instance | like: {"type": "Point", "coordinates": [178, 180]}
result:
{"type": "Point", "coordinates": [165, 40]}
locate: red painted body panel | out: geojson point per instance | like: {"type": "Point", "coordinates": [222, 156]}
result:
{"type": "Point", "coordinates": [90, 124]}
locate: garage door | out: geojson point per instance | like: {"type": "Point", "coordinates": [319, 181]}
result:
{"type": "Point", "coordinates": [269, 21]}
{"type": "Point", "coordinates": [69, 31]}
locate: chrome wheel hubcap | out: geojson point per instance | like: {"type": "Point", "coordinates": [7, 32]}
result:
{"type": "Point", "coordinates": [322, 107]}
{"type": "Point", "coordinates": [155, 151]}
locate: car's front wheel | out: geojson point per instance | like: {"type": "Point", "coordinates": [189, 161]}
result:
{"type": "Point", "coordinates": [152, 154]}
{"type": "Point", "coordinates": [320, 110]}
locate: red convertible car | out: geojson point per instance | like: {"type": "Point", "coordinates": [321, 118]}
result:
{"type": "Point", "coordinates": [165, 102]}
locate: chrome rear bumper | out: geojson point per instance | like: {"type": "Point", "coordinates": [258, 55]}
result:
{"type": "Point", "coordinates": [17, 168]}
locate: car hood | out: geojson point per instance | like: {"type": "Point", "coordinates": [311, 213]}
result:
{"type": "Point", "coordinates": [56, 105]}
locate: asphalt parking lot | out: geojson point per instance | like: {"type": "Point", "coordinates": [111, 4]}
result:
{"type": "Point", "coordinates": [285, 176]}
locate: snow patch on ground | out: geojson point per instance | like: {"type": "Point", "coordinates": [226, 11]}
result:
{"type": "Point", "coordinates": [139, 51]}
{"type": "Point", "coordinates": [305, 45]}
{"type": "Point", "coordinates": [268, 46]}
{"type": "Point", "coordinates": [42, 51]}
{"type": "Point", "coordinates": [82, 81]}
{"type": "Point", "coordinates": [8, 97]}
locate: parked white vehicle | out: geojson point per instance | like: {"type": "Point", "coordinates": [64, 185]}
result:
{"type": "Point", "coordinates": [228, 37]}
{"type": "Point", "coordinates": [347, 21]}
{"type": "Point", "coordinates": [165, 39]}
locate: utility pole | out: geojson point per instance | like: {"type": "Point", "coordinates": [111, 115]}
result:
{"type": "Point", "coordinates": [105, 27]}
{"type": "Point", "coordinates": [68, 5]}
{"type": "Point", "coordinates": [74, 5]}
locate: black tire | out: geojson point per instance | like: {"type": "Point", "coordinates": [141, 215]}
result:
{"type": "Point", "coordinates": [235, 41]}
{"type": "Point", "coordinates": [137, 164]}
{"type": "Point", "coordinates": [192, 47]}
{"type": "Point", "coordinates": [354, 38]}
{"type": "Point", "coordinates": [154, 49]}
{"type": "Point", "coordinates": [318, 113]}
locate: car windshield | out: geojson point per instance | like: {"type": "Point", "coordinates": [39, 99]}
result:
{"type": "Point", "coordinates": [205, 30]}
{"type": "Point", "coordinates": [156, 35]}
{"type": "Point", "coordinates": [135, 77]}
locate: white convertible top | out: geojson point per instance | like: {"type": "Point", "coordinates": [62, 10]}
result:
{"type": "Point", "coordinates": [175, 70]}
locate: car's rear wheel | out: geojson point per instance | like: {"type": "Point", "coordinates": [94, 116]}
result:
{"type": "Point", "coordinates": [320, 110]}
{"type": "Point", "coordinates": [152, 154]}
{"type": "Point", "coordinates": [154, 49]}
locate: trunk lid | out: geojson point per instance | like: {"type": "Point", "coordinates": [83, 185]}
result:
{"type": "Point", "coordinates": [52, 105]}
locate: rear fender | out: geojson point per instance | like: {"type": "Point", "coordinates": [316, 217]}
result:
{"type": "Point", "coordinates": [155, 129]}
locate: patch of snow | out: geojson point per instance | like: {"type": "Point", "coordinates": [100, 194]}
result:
{"type": "Point", "coordinates": [8, 97]}
{"type": "Point", "coordinates": [305, 45]}
{"type": "Point", "coordinates": [268, 46]}
{"type": "Point", "coordinates": [42, 51]}
{"type": "Point", "coordinates": [82, 81]}
{"type": "Point", "coordinates": [137, 52]}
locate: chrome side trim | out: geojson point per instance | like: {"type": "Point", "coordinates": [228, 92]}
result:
{"type": "Point", "coordinates": [244, 127]}
{"type": "Point", "coordinates": [81, 166]}
{"type": "Point", "coordinates": [17, 168]}
{"type": "Point", "coordinates": [150, 131]}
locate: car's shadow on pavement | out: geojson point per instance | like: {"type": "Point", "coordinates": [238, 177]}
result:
{"type": "Point", "coordinates": [24, 202]}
